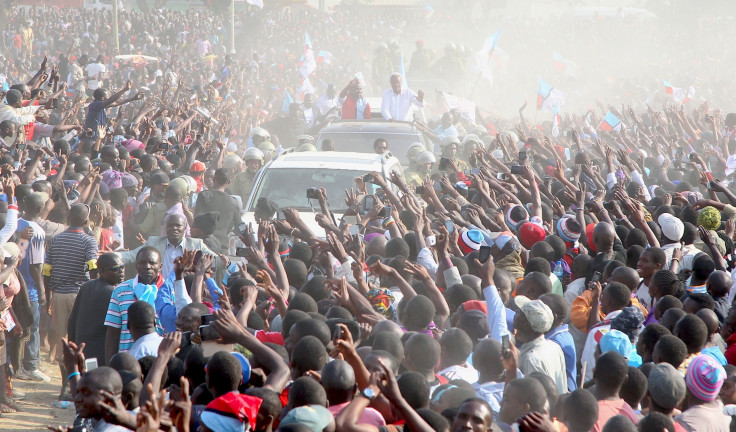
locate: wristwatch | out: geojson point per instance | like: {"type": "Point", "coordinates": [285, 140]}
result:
{"type": "Point", "coordinates": [368, 393]}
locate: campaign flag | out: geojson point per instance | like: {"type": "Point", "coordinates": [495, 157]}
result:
{"type": "Point", "coordinates": [288, 100]}
{"type": "Point", "coordinates": [562, 64]}
{"type": "Point", "coordinates": [466, 107]}
{"type": "Point", "coordinates": [548, 97]}
{"type": "Point", "coordinates": [428, 12]}
{"type": "Point", "coordinates": [305, 87]}
{"type": "Point", "coordinates": [610, 122]}
{"type": "Point", "coordinates": [324, 57]}
{"type": "Point", "coordinates": [668, 87]}
{"type": "Point", "coordinates": [402, 72]}
{"type": "Point", "coordinates": [308, 63]}
{"type": "Point", "coordinates": [484, 57]}
{"type": "Point", "coordinates": [679, 94]}
{"type": "Point", "coordinates": [258, 3]}
{"type": "Point", "coordinates": [556, 121]}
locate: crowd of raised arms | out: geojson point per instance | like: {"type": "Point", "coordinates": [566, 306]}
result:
{"type": "Point", "coordinates": [514, 275]}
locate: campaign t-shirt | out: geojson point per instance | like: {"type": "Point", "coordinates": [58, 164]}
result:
{"type": "Point", "coordinates": [35, 254]}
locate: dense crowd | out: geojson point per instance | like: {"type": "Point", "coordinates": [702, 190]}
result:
{"type": "Point", "coordinates": [514, 275]}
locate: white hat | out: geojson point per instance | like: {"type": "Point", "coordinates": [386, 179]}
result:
{"type": "Point", "coordinates": [672, 227]}
{"type": "Point", "coordinates": [538, 314]}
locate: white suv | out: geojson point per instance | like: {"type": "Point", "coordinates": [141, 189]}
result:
{"type": "Point", "coordinates": [286, 178]}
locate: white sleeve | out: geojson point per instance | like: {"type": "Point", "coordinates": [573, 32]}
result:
{"type": "Point", "coordinates": [452, 277]}
{"type": "Point", "coordinates": [345, 270]}
{"type": "Point", "coordinates": [496, 313]}
{"type": "Point", "coordinates": [610, 180]}
{"type": "Point", "coordinates": [386, 107]}
{"type": "Point", "coordinates": [426, 260]}
{"type": "Point", "coordinates": [639, 179]}
{"type": "Point", "coordinates": [181, 296]}
{"type": "Point", "coordinates": [11, 224]}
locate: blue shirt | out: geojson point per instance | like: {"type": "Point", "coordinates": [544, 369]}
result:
{"type": "Point", "coordinates": [165, 307]}
{"type": "Point", "coordinates": [117, 310]}
{"type": "Point", "coordinates": [562, 337]}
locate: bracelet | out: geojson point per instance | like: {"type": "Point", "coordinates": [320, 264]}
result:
{"type": "Point", "coordinates": [72, 375]}
{"type": "Point", "coordinates": [676, 259]}
{"type": "Point", "coordinates": [291, 234]}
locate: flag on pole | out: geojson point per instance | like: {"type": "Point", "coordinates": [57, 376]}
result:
{"type": "Point", "coordinates": [324, 57]}
{"type": "Point", "coordinates": [668, 89]}
{"type": "Point", "coordinates": [258, 3]}
{"type": "Point", "coordinates": [287, 102]}
{"type": "Point", "coordinates": [562, 64]}
{"type": "Point", "coordinates": [679, 95]}
{"type": "Point", "coordinates": [402, 72]}
{"type": "Point", "coordinates": [305, 87]}
{"type": "Point", "coordinates": [428, 12]}
{"type": "Point", "coordinates": [610, 122]}
{"type": "Point", "coordinates": [548, 97]}
{"type": "Point", "coordinates": [466, 107]}
{"type": "Point", "coordinates": [484, 57]}
{"type": "Point", "coordinates": [308, 63]}
{"type": "Point", "coordinates": [556, 121]}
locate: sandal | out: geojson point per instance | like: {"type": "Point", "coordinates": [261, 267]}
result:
{"type": "Point", "coordinates": [7, 409]}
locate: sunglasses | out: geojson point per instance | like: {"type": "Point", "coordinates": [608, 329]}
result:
{"type": "Point", "coordinates": [115, 268]}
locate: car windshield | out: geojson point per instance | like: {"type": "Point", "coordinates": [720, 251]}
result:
{"type": "Point", "coordinates": [287, 187]}
{"type": "Point", "coordinates": [398, 144]}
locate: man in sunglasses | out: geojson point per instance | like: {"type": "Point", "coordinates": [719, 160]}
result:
{"type": "Point", "coordinates": [86, 322]}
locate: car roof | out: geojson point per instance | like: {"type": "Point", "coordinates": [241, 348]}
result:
{"type": "Point", "coordinates": [367, 126]}
{"type": "Point", "coordinates": [332, 160]}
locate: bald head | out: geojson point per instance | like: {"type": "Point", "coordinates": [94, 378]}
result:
{"type": "Point", "coordinates": [626, 276]}
{"type": "Point", "coordinates": [124, 361]}
{"type": "Point", "coordinates": [104, 378]}
{"type": "Point", "coordinates": [338, 375]}
{"type": "Point", "coordinates": [388, 326]}
{"type": "Point", "coordinates": [376, 246]}
{"type": "Point", "coordinates": [710, 319]}
{"type": "Point", "coordinates": [718, 283]}
{"type": "Point", "coordinates": [32, 205]}
{"type": "Point", "coordinates": [603, 236]}
{"type": "Point", "coordinates": [78, 215]}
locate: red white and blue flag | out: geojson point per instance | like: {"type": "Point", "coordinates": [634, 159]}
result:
{"type": "Point", "coordinates": [324, 57]}
{"type": "Point", "coordinates": [308, 64]}
{"type": "Point", "coordinates": [610, 122]}
{"type": "Point", "coordinates": [556, 120]}
{"type": "Point", "coordinates": [548, 97]}
{"type": "Point", "coordinates": [484, 57]}
{"type": "Point", "coordinates": [562, 64]}
{"type": "Point", "coordinates": [679, 94]}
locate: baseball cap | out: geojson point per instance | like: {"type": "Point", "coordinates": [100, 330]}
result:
{"type": "Point", "coordinates": [666, 386]}
{"type": "Point", "coordinates": [315, 417]}
{"type": "Point", "coordinates": [538, 314]}
{"type": "Point", "coordinates": [159, 178]}
{"type": "Point", "coordinates": [672, 227]}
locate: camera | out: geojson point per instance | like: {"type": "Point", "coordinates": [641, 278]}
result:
{"type": "Point", "coordinates": [419, 190]}
{"type": "Point", "coordinates": [313, 193]}
{"type": "Point", "coordinates": [516, 169]}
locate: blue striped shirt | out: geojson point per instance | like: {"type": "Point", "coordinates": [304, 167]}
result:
{"type": "Point", "coordinates": [71, 255]}
{"type": "Point", "coordinates": [117, 312]}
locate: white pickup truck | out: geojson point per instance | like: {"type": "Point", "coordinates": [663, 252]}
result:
{"type": "Point", "coordinates": [285, 180]}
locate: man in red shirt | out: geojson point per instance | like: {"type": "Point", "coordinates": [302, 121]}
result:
{"type": "Point", "coordinates": [354, 105]}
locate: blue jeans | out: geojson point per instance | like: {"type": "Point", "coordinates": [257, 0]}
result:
{"type": "Point", "coordinates": [32, 350]}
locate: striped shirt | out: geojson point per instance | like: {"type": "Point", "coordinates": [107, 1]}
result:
{"type": "Point", "coordinates": [117, 312]}
{"type": "Point", "coordinates": [71, 255]}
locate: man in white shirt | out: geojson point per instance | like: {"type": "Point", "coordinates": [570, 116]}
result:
{"type": "Point", "coordinates": [397, 102]}
{"type": "Point", "coordinates": [327, 103]}
{"type": "Point", "coordinates": [310, 114]}
{"type": "Point", "coordinates": [142, 326]}
{"type": "Point", "coordinates": [95, 73]}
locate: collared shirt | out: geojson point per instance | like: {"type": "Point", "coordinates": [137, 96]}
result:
{"type": "Point", "coordinates": [146, 345]}
{"type": "Point", "coordinates": [117, 311]}
{"type": "Point", "coordinates": [542, 355]}
{"type": "Point", "coordinates": [324, 104]}
{"type": "Point", "coordinates": [562, 337]}
{"type": "Point", "coordinates": [398, 106]}
{"type": "Point", "coordinates": [68, 272]}
{"type": "Point", "coordinates": [170, 254]}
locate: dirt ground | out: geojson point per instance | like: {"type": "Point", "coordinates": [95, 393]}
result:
{"type": "Point", "coordinates": [37, 412]}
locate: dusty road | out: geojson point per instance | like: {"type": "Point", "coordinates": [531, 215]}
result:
{"type": "Point", "coordinates": [37, 412]}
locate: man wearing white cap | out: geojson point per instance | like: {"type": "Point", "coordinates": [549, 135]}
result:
{"type": "Point", "coordinates": [538, 354]}
{"type": "Point", "coordinates": [672, 230]}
